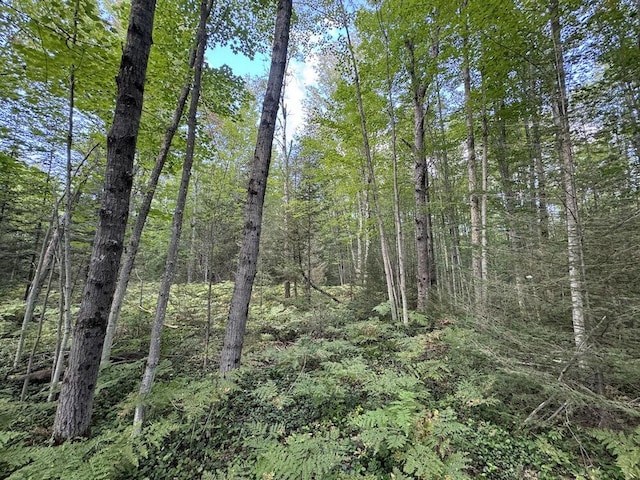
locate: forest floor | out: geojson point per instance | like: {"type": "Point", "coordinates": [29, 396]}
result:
{"type": "Point", "coordinates": [325, 391]}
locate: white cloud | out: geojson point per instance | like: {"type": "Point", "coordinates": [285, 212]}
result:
{"type": "Point", "coordinates": [299, 76]}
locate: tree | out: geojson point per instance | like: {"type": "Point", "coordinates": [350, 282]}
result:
{"type": "Point", "coordinates": [239, 310]}
{"type": "Point", "coordinates": [153, 358]}
{"type": "Point", "coordinates": [574, 235]}
{"type": "Point", "coordinates": [134, 241]}
{"type": "Point", "coordinates": [73, 416]}
{"type": "Point", "coordinates": [472, 168]}
{"type": "Point", "coordinates": [392, 296]}
{"type": "Point", "coordinates": [420, 79]}
{"type": "Point", "coordinates": [67, 53]}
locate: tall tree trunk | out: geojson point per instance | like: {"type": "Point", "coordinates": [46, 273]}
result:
{"type": "Point", "coordinates": [474, 199]}
{"type": "Point", "coordinates": [532, 135]}
{"type": "Point", "coordinates": [402, 274]}
{"type": "Point", "coordinates": [58, 345]}
{"type": "Point", "coordinates": [423, 225]}
{"type": "Point", "coordinates": [153, 359]}
{"type": "Point", "coordinates": [484, 240]}
{"type": "Point", "coordinates": [308, 279]}
{"type": "Point", "coordinates": [64, 332]}
{"type": "Point", "coordinates": [286, 189]}
{"type": "Point", "coordinates": [574, 238]}
{"type": "Point", "coordinates": [532, 132]}
{"type": "Point", "coordinates": [506, 179]}
{"type": "Point", "coordinates": [73, 416]}
{"type": "Point", "coordinates": [450, 218]}
{"type": "Point", "coordinates": [134, 241]}
{"type": "Point", "coordinates": [191, 263]}
{"type": "Point", "coordinates": [66, 224]}
{"type": "Point", "coordinates": [239, 310]}
{"type": "Point", "coordinates": [384, 244]}
{"type": "Point", "coordinates": [36, 242]}
{"type": "Point", "coordinates": [49, 246]}
{"type": "Point", "coordinates": [36, 343]}
{"type": "Point", "coordinates": [360, 255]}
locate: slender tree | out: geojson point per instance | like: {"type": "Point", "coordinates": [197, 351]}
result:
{"type": "Point", "coordinates": [472, 169]}
{"type": "Point", "coordinates": [49, 246]}
{"type": "Point", "coordinates": [143, 212]}
{"type": "Point", "coordinates": [67, 217]}
{"type": "Point", "coordinates": [423, 225]}
{"type": "Point", "coordinates": [402, 275]}
{"type": "Point", "coordinates": [563, 134]}
{"type": "Point", "coordinates": [239, 310]}
{"type": "Point", "coordinates": [153, 359]}
{"type": "Point", "coordinates": [370, 174]}
{"type": "Point", "coordinates": [73, 416]}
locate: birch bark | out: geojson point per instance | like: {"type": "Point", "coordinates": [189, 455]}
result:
{"type": "Point", "coordinates": [563, 133]}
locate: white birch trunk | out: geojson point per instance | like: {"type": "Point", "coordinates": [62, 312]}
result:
{"type": "Point", "coordinates": [574, 239]}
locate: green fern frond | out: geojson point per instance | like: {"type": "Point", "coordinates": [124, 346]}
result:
{"type": "Point", "coordinates": [422, 462]}
{"type": "Point", "coordinates": [626, 448]}
{"type": "Point", "coordinates": [470, 394]}
{"type": "Point", "coordinates": [428, 370]}
{"type": "Point", "coordinates": [13, 453]}
{"type": "Point", "coordinates": [303, 456]}
{"type": "Point", "coordinates": [105, 457]}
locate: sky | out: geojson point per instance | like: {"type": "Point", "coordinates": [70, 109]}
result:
{"type": "Point", "coordinates": [240, 64]}
{"type": "Point", "coordinates": [299, 76]}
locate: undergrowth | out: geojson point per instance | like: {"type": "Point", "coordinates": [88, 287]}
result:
{"type": "Point", "coordinates": [322, 394]}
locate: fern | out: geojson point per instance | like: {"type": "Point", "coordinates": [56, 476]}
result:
{"type": "Point", "coordinates": [368, 331]}
{"type": "Point", "coordinates": [422, 462]}
{"type": "Point", "coordinates": [414, 348]}
{"type": "Point", "coordinates": [382, 309]}
{"type": "Point", "coordinates": [626, 448]}
{"type": "Point", "coordinates": [390, 381]}
{"type": "Point", "coordinates": [302, 456]}
{"type": "Point", "coordinates": [350, 370]}
{"type": "Point", "coordinates": [321, 389]}
{"type": "Point", "coordinates": [13, 453]}
{"type": "Point", "coordinates": [445, 428]}
{"type": "Point", "coordinates": [428, 370]}
{"type": "Point", "coordinates": [389, 427]}
{"type": "Point", "coordinates": [268, 392]}
{"type": "Point", "coordinates": [101, 458]}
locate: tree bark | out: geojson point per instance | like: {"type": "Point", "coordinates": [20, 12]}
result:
{"type": "Point", "coordinates": [153, 359]}
{"type": "Point", "coordinates": [286, 191]}
{"type": "Point", "coordinates": [66, 224]}
{"type": "Point", "coordinates": [36, 343]}
{"type": "Point", "coordinates": [402, 280]}
{"type": "Point", "coordinates": [474, 200]}
{"type": "Point", "coordinates": [134, 242]}
{"type": "Point", "coordinates": [191, 263]}
{"type": "Point", "coordinates": [239, 310]}
{"type": "Point", "coordinates": [532, 132]}
{"type": "Point", "coordinates": [49, 246]}
{"type": "Point", "coordinates": [450, 216]}
{"type": "Point", "coordinates": [425, 254]}
{"type": "Point", "coordinates": [506, 179]}
{"type": "Point", "coordinates": [73, 416]}
{"type": "Point", "coordinates": [484, 237]}
{"type": "Point", "coordinates": [574, 239]}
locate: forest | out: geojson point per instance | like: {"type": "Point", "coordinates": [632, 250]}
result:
{"type": "Point", "coordinates": [427, 268]}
